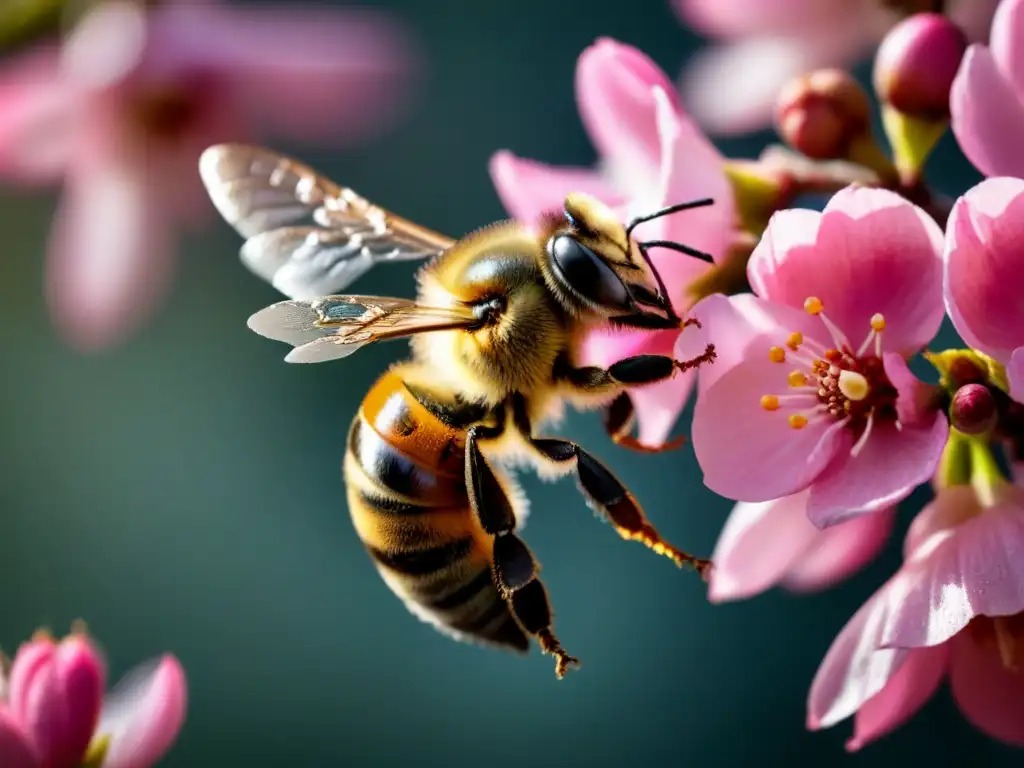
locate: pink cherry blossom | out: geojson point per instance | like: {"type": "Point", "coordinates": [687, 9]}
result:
{"type": "Point", "coordinates": [54, 709]}
{"type": "Point", "coordinates": [955, 611]}
{"type": "Point", "coordinates": [651, 156]}
{"type": "Point", "coordinates": [122, 109]}
{"type": "Point", "coordinates": [732, 87]}
{"type": "Point", "coordinates": [984, 260]}
{"type": "Point", "coordinates": [770, 543]}
{"type": "Point", "coordinates": [816, 394]}
{"type": "Point", "coordinates": [987, 100]}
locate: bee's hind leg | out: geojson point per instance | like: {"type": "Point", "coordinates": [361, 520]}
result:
{"type": "Point", "coordinates": [515, 569]}
{"type": "Point", "coordinates": [605, 492]}
{"type": "Point", "coordinates": [619, 418]}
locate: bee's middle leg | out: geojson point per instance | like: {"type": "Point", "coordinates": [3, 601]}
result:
{"type": "Point", "coordinates": [605, 492]}
{"type": "Point", "coordinates": [515, 569]}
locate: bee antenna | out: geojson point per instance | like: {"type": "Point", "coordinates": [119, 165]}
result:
{"type": "Point", "coordinates": [680, 248]}
{"type": "Point", "coordinates": [666, 304]}
{"type": "Point", "coordinates": [702, 203]}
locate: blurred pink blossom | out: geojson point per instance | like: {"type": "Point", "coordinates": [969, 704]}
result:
{"type": "Point", "coordinates": [732, 87]}
{"type": "Point", "coordinates": [987, 100]}
{"type": "Point", "coordinates": [651, 156]}
{"type": "Point", "coordinates": [955, 608]}
{"type": "Point", "coordinates": [53, 713]}
{"type": "Point", "coordinates": [769, 543]}
{"type": "Point", "coordinates": [121, 111]}
{"type": "Point", "coordinates": [984, 262]}
{"type": "Point", "coordinates": [811, 389]}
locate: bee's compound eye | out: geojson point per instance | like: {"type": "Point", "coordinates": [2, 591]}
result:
{"type": "Point", "coordinates": [585, 273]}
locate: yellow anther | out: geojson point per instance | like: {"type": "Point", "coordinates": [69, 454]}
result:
{"type": "Point", "coordinates": [853, 385]}
{"type": "Point", "coordinates": [797, 379]}
{"type": "Point", "coordinates": [795, 340]}
{"type": "Point", "coordinates": [770, 402]}
{"type": "Point", "coordinates": [813, 305]}
{"type": "Point", "coordinates": [797, 420]}
{"type": "Point", "coordinates": [777, 355]}
{"type": "Point", "coordinates": [877, 323]}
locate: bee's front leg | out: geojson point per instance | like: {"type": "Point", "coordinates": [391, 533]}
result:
{"type": "Point", "coordinates": [606, 494]}
{"type": "Point", "coordinates": [515, 568]}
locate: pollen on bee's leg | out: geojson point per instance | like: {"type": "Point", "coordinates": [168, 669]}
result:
{"type": "Point", "coordinates": [550, 645]}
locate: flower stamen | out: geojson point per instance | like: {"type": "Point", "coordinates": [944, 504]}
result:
{"type": "Point", "coordinates": [834, 384]}
{"type": "Point", "coordinates": [863, 439]}
{"type": "Point", "coordinates": [814, 306]}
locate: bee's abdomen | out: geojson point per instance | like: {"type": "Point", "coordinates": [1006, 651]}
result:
{"type": "Point", "coordinates": [407, 498]}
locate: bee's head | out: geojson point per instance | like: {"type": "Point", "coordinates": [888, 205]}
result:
{"type": "Point", "coordinates": [595, 265]}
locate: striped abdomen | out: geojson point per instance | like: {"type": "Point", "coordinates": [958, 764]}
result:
{"type": "Point", "coordinates": [404, 472]}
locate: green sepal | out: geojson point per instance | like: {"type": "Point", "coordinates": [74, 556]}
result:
{"type": "Point", "coordinates": [912, 140]}
{"type": "Point", "coordinates": [97, 752]}
{"type": "Point", "coordinates": [728, 277]}
{"type": "Point", "coordinates": [948, 361]}
{"type": "Point", "coordinates": [757, 192]}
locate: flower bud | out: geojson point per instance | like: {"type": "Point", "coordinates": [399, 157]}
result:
{"type": "Point", "coordinates": [822, 113]}
{"type": "Point", "coordinates": [973, 410]}
{"type": "Point", "coordinates": [916, 63]}
{"type": "Point", "coordinates": [55, 693]}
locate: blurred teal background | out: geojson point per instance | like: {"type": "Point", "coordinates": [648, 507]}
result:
{"type": "Point", "coordinates": [183, 493]}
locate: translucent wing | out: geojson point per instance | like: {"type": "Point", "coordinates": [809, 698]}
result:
{"type": "Point", "coordinates": [305, 235]}
{"type": "Point", "coordinates": [333, 327]}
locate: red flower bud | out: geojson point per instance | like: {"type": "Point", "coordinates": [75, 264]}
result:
{"type": "Point", "coordinates": [916, 63]}
{"type": "Point", "coordinates": [973, 410]}
{"type": "Point", "coordinates": [820, 114]}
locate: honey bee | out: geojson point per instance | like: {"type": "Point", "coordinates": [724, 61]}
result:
{"type": "Point", "coordinates": [498, 317]}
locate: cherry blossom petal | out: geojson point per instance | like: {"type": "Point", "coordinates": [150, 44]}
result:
{"type": "Point", "coordinates": [1015, 373]}
{"type": "Point", "coordinates": [658, 406]}
{"type": "Point", "coordinates": [144, 714]}
{"type": "Point", "coordinates": [748, 453]}
{"type": "Point", "coordinates": [615, 86]}
{"type": "Point", "coordinates": [1007, 43]}
{"type": "Point", "coordinates": [305, 72]}
{"type": "Point", "coordinates": [110, 256]}
{"type": "Point", "coordinates": [903, 695]}
{"type": "Point", "coordinates": [856, 667]}
{"type": "Point", "coordinates": [990, 696]}
{"type": "Point", "coordinates": [915, 403]}
{"type": "Point", "coordinates": [36, 118]}
{"type": "Point", "coordinates": [891, 465]}
{"type": "Point", "coordinates": [759, 544]}
{"type": "Point", "coordinates": [971, 569]}
{"type": "Point", "coordinates": [737, 326]}
{"type": "Point", "coordinates": [840, 551]}
{"type": "Point", "coordinates": [983, 261]}
{"type": "Point", "coordinates": [873, 252]}
{"type": "Point", "coordinates": [529, 189]}
{"type": "Point", "coordinates": [986, 115]}
{"type": "Point", "coordinates": [14, 748]}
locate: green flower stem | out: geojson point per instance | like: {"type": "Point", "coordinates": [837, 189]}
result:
{"type": "Point", "coordinates": [986, 476]}
{"type": "Point", "coordinates": [956, 465]}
